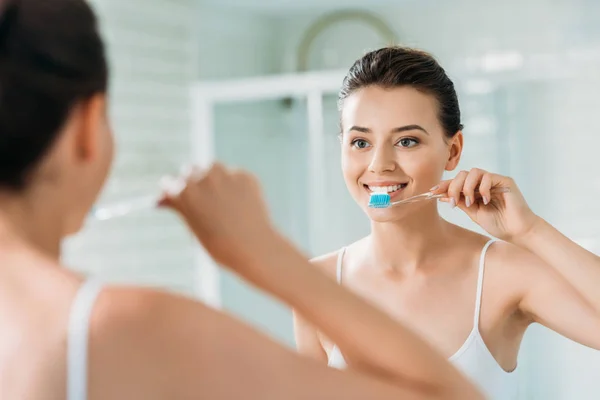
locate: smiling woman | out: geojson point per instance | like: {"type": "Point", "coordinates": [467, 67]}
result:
{"type": "Point", "coordinates": [471, 298]}
{"type": "Point", "coordinates": [383, 147]}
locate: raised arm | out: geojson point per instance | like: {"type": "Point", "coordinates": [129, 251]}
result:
{"type": "Point", "coordinates": [561, 278]}
{"type": "Point", "coordinates": [580, 267]}
{"type": "Point", "coordinates": [237, 233]}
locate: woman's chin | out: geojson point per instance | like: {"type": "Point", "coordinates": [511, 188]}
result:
{"type": "Point", "coordinates": [391, 214]}
{"type": "Point", "coordinates": [401, 212]}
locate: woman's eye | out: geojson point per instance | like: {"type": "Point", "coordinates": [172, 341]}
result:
{"type": "Point", "coordinates": [360, 144]}
{"type": "Point", "coordinates": [408, 142]}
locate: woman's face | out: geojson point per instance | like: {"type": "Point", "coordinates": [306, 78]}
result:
{"type": "Point", "coordinates": [392, 139]}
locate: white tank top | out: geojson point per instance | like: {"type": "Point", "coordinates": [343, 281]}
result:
{"type": "Point", "coordinates": [473, 358]}
{"type": "Point", "coordinates": [77, 339]}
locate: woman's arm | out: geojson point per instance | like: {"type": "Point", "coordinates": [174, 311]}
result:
{"type": "Point", "coordinates": [579, 267]}
{"type": "Point", "coordinates": [307, 339]}
{"type": "Point", "coordinates": [545, 297]}
{"type": "Point", "coordinates": [560, 279]}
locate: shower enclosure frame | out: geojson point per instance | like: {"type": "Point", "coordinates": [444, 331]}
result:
{"type": "Point", "coordinates": [309, 86]}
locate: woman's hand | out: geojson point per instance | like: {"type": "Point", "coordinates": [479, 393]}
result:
{"type": "Point", "coordinates": [492, 201]}
{"type": "Point", "coordinates": [226, 211]}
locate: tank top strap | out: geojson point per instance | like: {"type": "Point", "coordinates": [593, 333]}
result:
{"type": "Point", "coordinates": [78, 337]}
{"type": "Point", "coordinates": [480, 283]}
{"type": "Point", "coordinates": [340, 262]}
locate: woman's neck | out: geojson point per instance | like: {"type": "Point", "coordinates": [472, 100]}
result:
{"type": "Point", "coordinates": [33, 219]}
{"type": "Point", "coordinates": [405, 246]}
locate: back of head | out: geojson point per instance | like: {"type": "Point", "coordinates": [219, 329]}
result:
{"type": "Point", "coordinates": [397, 66]}
{"type": "Point", "coordinates": [51, 57]}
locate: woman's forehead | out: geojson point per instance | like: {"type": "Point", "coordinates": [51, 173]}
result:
{"type": "Point", "coordinates": [378, 108]}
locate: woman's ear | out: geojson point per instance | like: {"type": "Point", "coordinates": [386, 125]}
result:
{"type": "Point", "coordinates": [91, 122]}
{"type": "Point", "coordinates": [455, 147]}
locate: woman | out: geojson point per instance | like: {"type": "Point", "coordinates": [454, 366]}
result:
{"type": "Point", "coordinates": [401, 130]}
{"type": "Point", "coordinates": [66, 337]}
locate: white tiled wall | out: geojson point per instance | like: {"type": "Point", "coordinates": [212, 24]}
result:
{"type": "Point", "coordinates": [152, 53]}
{"type": "Point", "coordinates": [234, 44]}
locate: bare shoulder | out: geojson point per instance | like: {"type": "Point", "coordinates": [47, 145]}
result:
{"type": "Point", "coordinates": [327, 263]}
{"type": "Point", "coordinates": [152, 344]}
{"type": "Point", "coordinates": [508, 268]}
{"type": "Point", "coordinates": [122, 312]}
{"type": "Point", "coordinates": [513, 269]}
{"type": "Point", "coordinates": [512, 259]}
{"type": "Point", "coordinates": [134, 332]}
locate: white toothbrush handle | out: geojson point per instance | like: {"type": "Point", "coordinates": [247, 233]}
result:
{"type": "Point", "coordinates": [124, 207]}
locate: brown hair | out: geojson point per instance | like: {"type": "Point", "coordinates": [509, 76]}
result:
{"type": "Point", "coordinates": [397, 66]}
{"type": "Point", "coordinates": [51, 57]}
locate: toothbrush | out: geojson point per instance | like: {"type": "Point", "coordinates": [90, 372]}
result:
{"type": "Point", "coordinates": [382, 199]}
{"type": "Point", "coordinates": [123, 207]}
{"type": "Point", "coordinates": [168, 184]}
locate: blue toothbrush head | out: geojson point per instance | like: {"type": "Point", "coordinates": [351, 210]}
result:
{"type": "Point", "coordinates": [379, 200]}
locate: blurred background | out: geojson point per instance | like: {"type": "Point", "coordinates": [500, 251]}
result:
{"type": "Point", "coordinates": [253, 83]}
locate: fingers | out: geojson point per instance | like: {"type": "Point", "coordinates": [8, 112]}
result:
{"type": "Point", "coordinates": [176, 189]}
{"type": "Point", "coordinates": [171, 187]}
{"type": "Point", "coordinates": [197, 181]}
{"type": "Point", "coordinates": [485, 188]}
{"type": "Point", "coordinates": [441, 187]}
{"type": "Point", "coordinates": [455, 188]}
{"type": "Point", "coordinates": [472, 182]}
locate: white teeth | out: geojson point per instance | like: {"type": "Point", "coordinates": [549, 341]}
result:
{"type": "Point", "coordinates": [385, 189]}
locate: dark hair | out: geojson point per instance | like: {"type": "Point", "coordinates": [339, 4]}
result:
{"type": "Point", "coordinates": [51, 57]}
{"type": "Point", "coordinates": [396, 66]}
